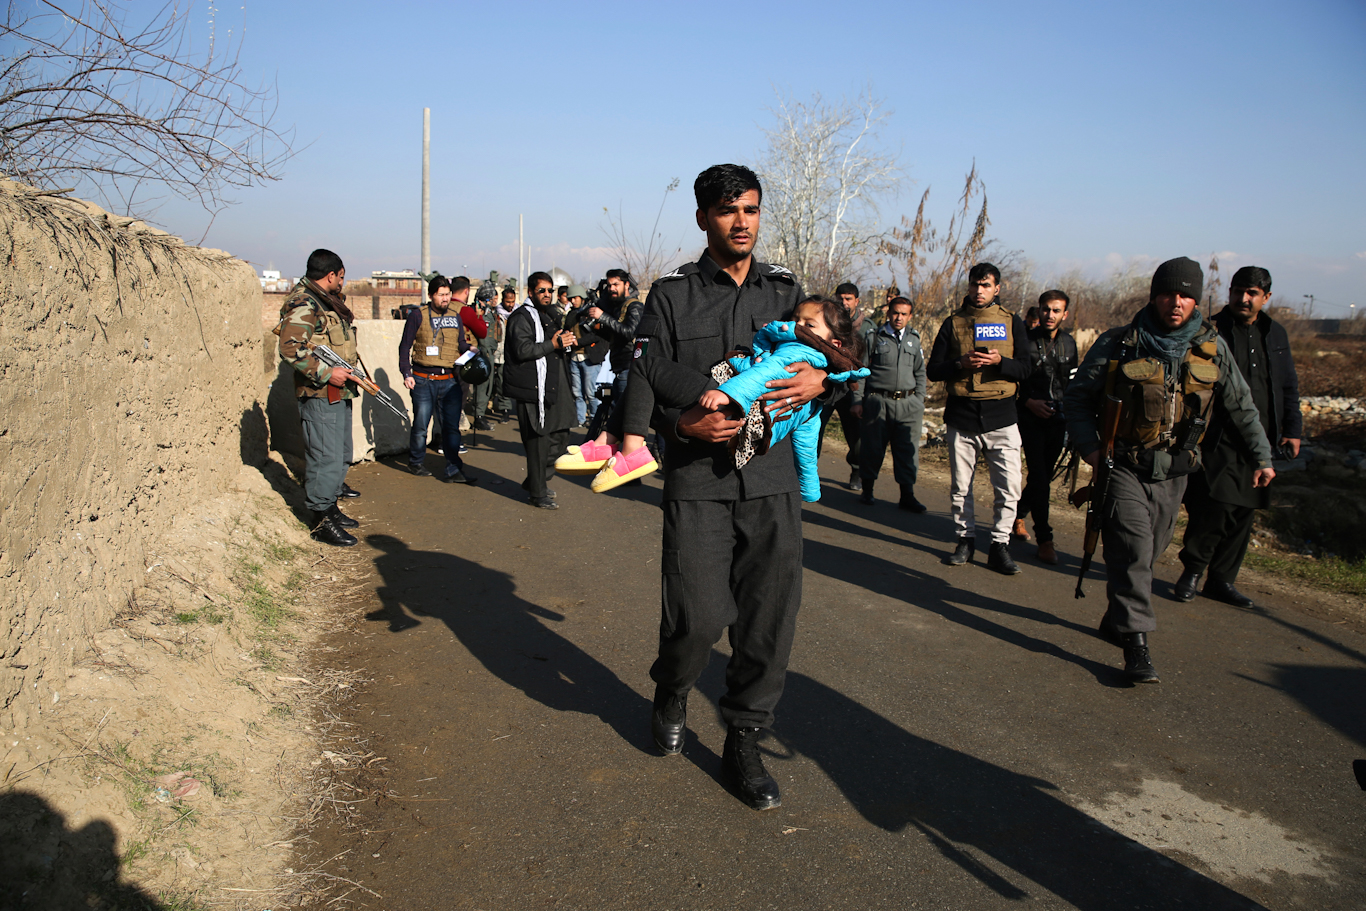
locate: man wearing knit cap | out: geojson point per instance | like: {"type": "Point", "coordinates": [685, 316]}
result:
{"type": "Point", "coordinates": [1220, 501]}
{"type": "Point", "coordinates": [1167, 370]}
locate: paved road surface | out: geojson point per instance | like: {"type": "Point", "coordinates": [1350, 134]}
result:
{"type": "Point", "coordinates": [949, 738]}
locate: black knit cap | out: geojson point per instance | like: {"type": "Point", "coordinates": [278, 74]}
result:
{"type": "Point", "coordinates": [1180, 276]}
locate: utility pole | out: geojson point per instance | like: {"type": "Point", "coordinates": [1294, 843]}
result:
{"type": "Point", "coordinates": [1310, 298]}
{"type": "Point", "coordinates": [521, 261]}
{"type": "Point", "coordinates": [426, 196]}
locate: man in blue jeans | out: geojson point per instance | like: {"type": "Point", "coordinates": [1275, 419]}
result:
{"type": "Point", "coordinates": [428, 358]}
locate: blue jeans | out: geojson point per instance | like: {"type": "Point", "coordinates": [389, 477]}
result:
{"type": "Point", "coordinates": [445, 397]}
{"type": "Point", "coordinates": [581, 377]}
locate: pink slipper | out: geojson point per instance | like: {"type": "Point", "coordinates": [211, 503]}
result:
{"type": "Point", "coordinates": [585, 459]}
{"type": "Point", "coordinates": [622, 468]}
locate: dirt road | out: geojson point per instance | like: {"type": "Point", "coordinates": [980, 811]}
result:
{"type": "Point", "coordinates": [949, 738]}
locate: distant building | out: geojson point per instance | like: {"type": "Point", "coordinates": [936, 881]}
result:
{"type": "Point", "coordinates": [397, 283]}
{"type": "Point", "coordinates": [271, 282]}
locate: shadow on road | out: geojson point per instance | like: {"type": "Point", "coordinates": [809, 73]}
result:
{"type": "Point", "coordinates": [934, 594]}
{"type": "Point", "coordinates": [966, 806]}
{"type": "Point", "coordinates": [506, 633]}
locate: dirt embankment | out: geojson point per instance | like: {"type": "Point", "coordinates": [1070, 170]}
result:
{"type": "Point", "coordinates": [131, 367]}
{"type": "Point", "coordinates": [157, 723]}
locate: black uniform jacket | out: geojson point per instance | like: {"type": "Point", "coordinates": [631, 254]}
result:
{"type": "Point", "coordinates": [695, 316]}
{"type": "Point", "coordinates": [522, 352]}
{"type": "Point", "coordinates": [1229, 462]}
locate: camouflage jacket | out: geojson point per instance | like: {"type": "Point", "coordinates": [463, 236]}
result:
{"type": "Point", "coordinates": [307, 315]}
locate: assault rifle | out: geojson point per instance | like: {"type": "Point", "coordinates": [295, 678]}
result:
{"type": "Point", "coordinates": [1097, 494]}
{"type": "Point", "coordinates": [332, 359]}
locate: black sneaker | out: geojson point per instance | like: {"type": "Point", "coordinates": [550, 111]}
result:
{"type": "Point", "coordinates": [543, 503]}
{"type": "Point", "coordinates": [348, 493]}
{"type": "Point", "coordinates": [855, 481]}
{"type": "Point", "coordinates": [743, 766]}
{"type": "Point", "coordinates": [420, 470]}
{"type": "Point", "coordinates": [460, 478]}
{"type": "Point", "coordinates": [482, 424]}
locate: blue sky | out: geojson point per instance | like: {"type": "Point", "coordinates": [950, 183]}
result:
{"type": "Point", "coordinates": [1103, 132]}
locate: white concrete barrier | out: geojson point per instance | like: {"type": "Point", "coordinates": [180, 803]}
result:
{"type": "Point", "coordinates": [377, 431]}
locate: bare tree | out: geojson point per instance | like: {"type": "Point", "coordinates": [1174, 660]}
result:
{"type": "Point", "coordinates": [109, 102]}
{"type": "Point", "coordinates": [645, 257]}
{"type": "Point", "coordinates": [1213, 285]}
{"type": "Point", "coordinates": [936, 264]}
{"type": "Point", "coordinates": [824, 175]}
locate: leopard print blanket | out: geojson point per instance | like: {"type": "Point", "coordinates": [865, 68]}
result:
{"type": "Point", "coordinates": [753, 438]}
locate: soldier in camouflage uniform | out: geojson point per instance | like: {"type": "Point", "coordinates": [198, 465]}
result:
{"type": "Point", "coordinates": [316, 313]}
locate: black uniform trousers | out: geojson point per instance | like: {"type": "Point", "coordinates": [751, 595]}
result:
{"type": "Point", "coordinates": [736, 564]}
{"type": "Point", "coordinates": [542, 447]}
{"type": "Point", "coordinates": [1042, 443]}
{"type": "Point", "coordinates": [1217, 533]}
{"type": "Point", "coordinates": [853, 434]}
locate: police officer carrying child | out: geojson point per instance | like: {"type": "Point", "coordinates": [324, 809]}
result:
{"type": "Point", "coordinates": [1043, 430]}
{"type": "Point", "coordinates": [1166, 372]}
{"type": "Point", "coordinates": [890, 404]}
{"type": "Point", "coordinates": [732, 548]}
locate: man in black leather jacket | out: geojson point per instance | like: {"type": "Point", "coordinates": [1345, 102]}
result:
{"type": "Point", "coordinates": [1043, 431]}
{"type": "Point", "coordinates": [616, 321]}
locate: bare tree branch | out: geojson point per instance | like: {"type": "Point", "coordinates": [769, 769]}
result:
{"type": "Point", "coordinates": [935, 286]}
{"type": "Point", "coordinates": [824, 177]}
{"type": "Point", "coordinates": [645, 257]}
{"type": "Point", "coordinates": [93, 95]}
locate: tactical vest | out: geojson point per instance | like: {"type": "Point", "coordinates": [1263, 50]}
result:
{"type": "Point", "coordinates": [986, 327]}
{"type": "Point", "coordinates": [335, 334]}
{"type": "Point", "coordinates": [447, 341]}
{"type": "Point", "coordinates": [1162, 412]}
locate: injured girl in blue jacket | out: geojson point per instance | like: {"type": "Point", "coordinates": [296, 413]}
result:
{"type": "Point", "coordinates": [821, 335]}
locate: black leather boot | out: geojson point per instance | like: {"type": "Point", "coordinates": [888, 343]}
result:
{"type": "Point", "coordinates": [744, 767]}
{"type": "Point", "coordinates": [908, 501]}
{"type": "Point", "coordinates": [1138, 664]}
{"type": "Point", "coordinates": [866, 498]}
{"type": "Point", "coordinates": [328, 532]}
{"type": "Point", "coordinates": [669, 722]}
{"type": "Point", "coordinates": [341, 518]}
{"type": "Point", "coordinates": [962, 553]}
{"type": "Point", "coordinates": [1225, 592]}
{"type": "Point", "coordinates": [1185, 586]}
{"type": "Point", "coordinates": [998, 558]}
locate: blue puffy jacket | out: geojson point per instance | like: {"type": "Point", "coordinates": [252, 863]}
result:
{"type": "Point", "coordinates": [776, 347]}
